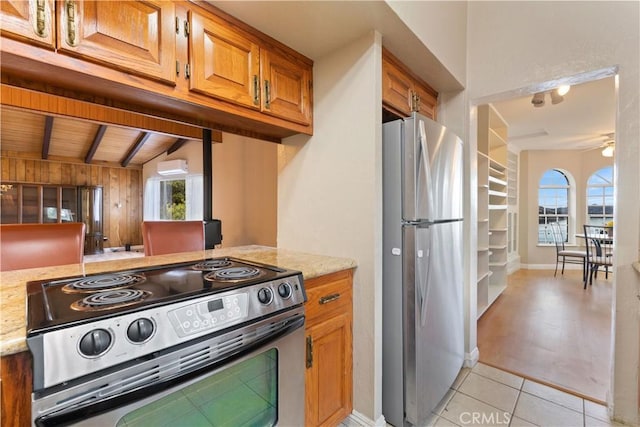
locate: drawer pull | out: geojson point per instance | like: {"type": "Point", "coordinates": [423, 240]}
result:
{"type": "Point", "coordinates": [329, 298]}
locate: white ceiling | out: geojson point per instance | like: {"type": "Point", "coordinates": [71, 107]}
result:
{"type": "Point", "coordinates": [581, 121]}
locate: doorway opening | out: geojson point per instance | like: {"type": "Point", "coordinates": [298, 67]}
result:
{"type": "Point", "coordinates": [543, 327]}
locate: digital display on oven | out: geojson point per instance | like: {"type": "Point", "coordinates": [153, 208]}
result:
{"type": "Point", "coordinates": [215, 305]}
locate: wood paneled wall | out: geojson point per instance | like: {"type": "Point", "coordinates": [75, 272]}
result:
{"type": "Point", "coordinates": [122, 190]}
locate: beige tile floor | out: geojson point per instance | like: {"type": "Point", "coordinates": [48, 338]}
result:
{"type": "Point", "coordinates": [486, 396]}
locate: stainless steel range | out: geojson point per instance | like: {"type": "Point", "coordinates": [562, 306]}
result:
{"type": "Point", "coordinates": [110, 349]}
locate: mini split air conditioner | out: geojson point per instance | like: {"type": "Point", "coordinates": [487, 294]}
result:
{"type": "Point", "coordinates": [173, 167]}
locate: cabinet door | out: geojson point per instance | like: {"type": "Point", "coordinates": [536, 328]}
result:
{"type": "Point", "coordinates": [225, 63]}
{"type": "Point", "coordinates": [396, 89]}
{"type": "Point", "coordinates": [286, 88]}
{"type": "Point", "coordinates": [133, 36]}
{"type": "Point", "coordinates": [426, 101]}
{"type": "Point", "coordinates": [329, 372]}
{"type": "Point", "coordinates": [30, 20]}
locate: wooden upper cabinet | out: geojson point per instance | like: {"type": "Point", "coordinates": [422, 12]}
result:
{"type": "Point", "coordinates": [287, 87]}
{"type": "Point", "coordinates": [133, 36]}
{"type": "Point", "coordinates": [403, 92]}
{"type": "Point", "coordinates": [396, 88]}
{"type": "Point", "coordinates": [426, 100]}
{"type": "Point", "coordinates": [233, 65]}
{"type": "Point", "coordinates": [31, 21]}
{"type": "Point", "coordinates": [225, 63]}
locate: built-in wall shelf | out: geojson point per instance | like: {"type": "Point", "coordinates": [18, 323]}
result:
{"type": "Point", "coordinates": [492, 206]}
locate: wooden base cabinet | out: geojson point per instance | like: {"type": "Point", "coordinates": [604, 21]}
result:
{"type": "Point", "coordinates": [15, 392]}
{"type": "Point", "coordinates": [328, 379]}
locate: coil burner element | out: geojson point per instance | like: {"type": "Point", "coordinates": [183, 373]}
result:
{"type": "Point", "coordinates": [234, 274]}
{"type": "Point", "coordinates": [103, 283]}
{"type": "Point", "coordinates": [111, 299]}
{"type": "Point", "coordinates": [212, 264]}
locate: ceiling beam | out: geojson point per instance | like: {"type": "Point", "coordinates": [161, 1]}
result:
{"type": "Point", "coordinates": [96, 143]}
{"type": "Point", "coordinates": [46, 139]}
{"type": "Point", "coordinates": [134, 148]}
{"type": "Point", "coordinates": [176, 145]}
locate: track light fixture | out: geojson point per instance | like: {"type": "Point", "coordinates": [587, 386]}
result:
{"type": "Point", "coordinates": [557, 96]}
{"type": "Point", "coordinates": [538, 99]}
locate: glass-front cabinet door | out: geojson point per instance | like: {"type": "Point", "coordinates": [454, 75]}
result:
{"type": "Point", "coordinates": [31, 204]}
{"type": "Point", "coordinates": [34, 204]}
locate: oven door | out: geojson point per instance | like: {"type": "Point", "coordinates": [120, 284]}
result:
{"type": "Point", "coordinates": [260, 384]}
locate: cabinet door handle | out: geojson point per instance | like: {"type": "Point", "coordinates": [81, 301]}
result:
{"type": "Point", "coordinates": [71, 22]}
{"type": "Point", "coordinates": [177, 25]}
{"type": "Point", "coordinates": [256, 90]}
{"type": "Point", "coordinates": [267, 94]}
{"type": "Point", "coordinates": [329, 298]}
{"type": "Point", "coordinates": [309, 352]}
{"type": "Point", "coordinates": [40, 18]}
{"type": "Point", "coordinates": [177, 68]}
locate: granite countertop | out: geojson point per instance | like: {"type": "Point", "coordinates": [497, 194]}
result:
{"type": "Point", "coordinates": [13, 307]}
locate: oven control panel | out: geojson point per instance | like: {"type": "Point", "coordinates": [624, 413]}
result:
{"type": "Point", "coordinates": [214, 313]}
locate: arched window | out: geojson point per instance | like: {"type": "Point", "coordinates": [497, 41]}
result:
{"type": "Point", "coordinates": [553, 204]}
{"type": "Point", "coordinates": [600, 197]}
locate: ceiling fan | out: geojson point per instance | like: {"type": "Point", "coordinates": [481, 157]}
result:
{"type": "Point", "coordinates": [608, 146]}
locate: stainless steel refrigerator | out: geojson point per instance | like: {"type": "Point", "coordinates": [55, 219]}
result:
{"type": "Point", "coordinates": [423, 329]}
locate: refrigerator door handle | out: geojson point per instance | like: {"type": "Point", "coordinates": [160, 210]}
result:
{"type": "Point", "coordinates": [423, 280]}
{"type": "Point", "coordinates": [423, 165]}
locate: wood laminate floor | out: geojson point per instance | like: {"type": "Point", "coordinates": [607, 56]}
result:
{"type": "Point", "coordinates": [551, 330]}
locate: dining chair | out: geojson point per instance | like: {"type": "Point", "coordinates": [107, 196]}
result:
{"type": "Point", "coordinates": [40, 245]}
{"type": "Point", "coordinates": [599, 250]}
{"type": "Point", "coordinates": [168, 237]}
{"type": "Point", "coordinates": [567, 256]}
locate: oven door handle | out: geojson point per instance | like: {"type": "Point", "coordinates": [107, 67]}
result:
{"type": "Point", "coordinates": [81, 410]}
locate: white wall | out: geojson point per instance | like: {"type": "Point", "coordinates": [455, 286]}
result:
{"type": "Point", "coordinates": [442, 27]}
{"type": "Point", "coordinates": [244, 186]}
{"type": "Point", "coordinates": [516, 45]}
{"type": "Point", "coordinates": [330, 194]}
{"type": "Point", "coordinates": [245, 190]}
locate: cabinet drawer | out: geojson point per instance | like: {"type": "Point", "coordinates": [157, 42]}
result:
{"type": "Point", "coordinates": [328, 296]}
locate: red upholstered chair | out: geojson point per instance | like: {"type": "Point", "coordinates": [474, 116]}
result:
{"type": "Point", "coordinates": [40, 245]}
{"type": "Point", "coordinates": [168, 237]}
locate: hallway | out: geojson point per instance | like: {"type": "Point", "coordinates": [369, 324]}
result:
{"type": "Point", "coordinates": [551, 330]}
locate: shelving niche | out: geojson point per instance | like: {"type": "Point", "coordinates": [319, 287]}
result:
{"type": "Point", "coordinates": [492, 207]}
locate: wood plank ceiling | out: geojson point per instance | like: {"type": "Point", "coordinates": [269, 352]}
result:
{"type": "Point", "coordinates": [37, 135]}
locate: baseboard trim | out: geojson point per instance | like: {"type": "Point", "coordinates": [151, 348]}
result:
{"type": "Point", "coordinates": [471, 359]}
{"type": "Point", "coordinates": [357, 419]}
{"type": "Point", "coordinates": [550, 267]}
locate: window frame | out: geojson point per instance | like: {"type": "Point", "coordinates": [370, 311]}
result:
{"type": "Point", "coordinates": [564, 229]}
{"type": "Point", "coordinates": [194, 195]}
{"type": "Point", "coordinates": [603, 194]}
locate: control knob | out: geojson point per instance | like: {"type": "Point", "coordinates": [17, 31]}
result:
{"type": "Point", "coordinates": [265, 296]}
{"type": "Point", "coordinates": [140, 330]}
{"type": "Point", "coordinates": [95, 342]}
{"type": "Point", "coordinates": [284, 290]}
